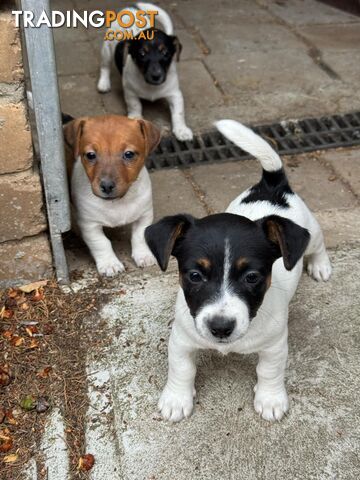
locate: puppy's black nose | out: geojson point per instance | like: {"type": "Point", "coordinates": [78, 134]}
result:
{"type": "Point", "coordinates": [107, 186]}
{"type": "Point", "coordinates": [221, 327]}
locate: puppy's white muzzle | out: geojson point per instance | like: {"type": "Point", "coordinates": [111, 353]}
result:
{"type": "Point", "coordinates": [223, 321]}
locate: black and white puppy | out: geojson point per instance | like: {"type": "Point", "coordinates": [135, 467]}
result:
{"type": "Point", "coordinates": [148, 69]}
{"type": "Point", "coordinates": [238, 273]}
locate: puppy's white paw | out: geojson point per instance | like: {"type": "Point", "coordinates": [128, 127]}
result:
{"type": "Point", "coordinates": [319, 267]}
{"type": "Point", "coordinates": [110, 267]}
{"type": "Point", "coordinates": [174, 406]}
{"type": "Point", "coordinates": [135, 115]}
{"type": "Point", "coordinates": [143, 258]}
{"type": "Point", "coordinates": [104, 85]}
{"type": "Point", "coordinates": [183, 133]}
{"type": "Point", "coordinates": [270, 405]}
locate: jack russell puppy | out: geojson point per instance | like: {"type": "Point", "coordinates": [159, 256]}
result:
{"type": "Point", "coordinates": [238, 273]}
{"type": "Point", "coordinates": [147, 67]}
{"type": "Point", "coordinates": [110, 185]}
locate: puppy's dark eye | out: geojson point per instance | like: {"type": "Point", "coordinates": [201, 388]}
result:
{"type": "Point", "coordinates": [91, 156]}
{"type": "Point", "coordinates": [195, 277]}
{"type": "Point", "coordinates": [128, 155]}
{"type": "Point", "coordinates": [164, 52]}
{"type": "Point", "coordinates": [142, 53]}
{"type": "Point", "coordinates": [252, 277]}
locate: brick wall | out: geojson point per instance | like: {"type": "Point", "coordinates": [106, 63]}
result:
{"type": "Point", "coordinates": [24, 245]}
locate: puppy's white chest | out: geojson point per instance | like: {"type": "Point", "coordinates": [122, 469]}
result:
{"type": "Point", "coordinates": [109, 213]}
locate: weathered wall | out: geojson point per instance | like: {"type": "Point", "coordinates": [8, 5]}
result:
{"type": "Point", "coordinates": [24, 245]}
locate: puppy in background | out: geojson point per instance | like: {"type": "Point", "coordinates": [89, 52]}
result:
{"type": "Point", "coordinates": [110, 185]}
{"type": "Point", "coordinates": [238, 273]}
{"type": "Point", "coordinates": [148, 69]}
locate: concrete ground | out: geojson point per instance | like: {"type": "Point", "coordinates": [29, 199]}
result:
{"type": "Point", "coordinates": [256, 61]}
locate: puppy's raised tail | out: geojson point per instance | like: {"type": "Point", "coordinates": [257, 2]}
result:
{"type": "Point", "coordinates": [251, 143]}
{"type": "Point", "coordinates": [162, 17]}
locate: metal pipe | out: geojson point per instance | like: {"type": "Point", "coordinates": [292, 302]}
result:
{"type": "Point", "coordinates": [44, 84]}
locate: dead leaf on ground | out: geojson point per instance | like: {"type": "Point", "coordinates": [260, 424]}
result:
{"type": "Point", "coordinates": [10, 458]}
{"type": "Point", "coordinates": [6, 313]}
{"type": "Point", "coordinates": [7, 334]}
{"type": "Point", "coordinates": [33, 344]}
{"type": "Point", "coordinates": [6, 445]}
{"type": "Point", "coordinates": [2, 415]}
{"type": "Point", "coordinates": [17, 341]}
{"type": "Point", "coordinates": [30, 287]}
{"type": "Point", "coordinates": [38, 295]}
{"type": "Point", "coordinates": [31, 329]}
{"type": "Point", "coordinates": [5, 375]}
{"type": "Point", "coordinates": [86, 462]}
{"type": "Point", "coordinates": [44, 373]}
{"type": "Point", "coordinates": [9, 418]}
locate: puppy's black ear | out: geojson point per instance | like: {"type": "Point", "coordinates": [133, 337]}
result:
{"type": "Point", "coordinates": [178, 47]}
{"type": "Point", "coordinates": [162, 236]}
{"type": "Point", "coordinates": [290, 238]}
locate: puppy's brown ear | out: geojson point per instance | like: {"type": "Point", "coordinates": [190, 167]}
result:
{"type": "Point", "coordinates": [72, 134]}
{"type": "Point", "coordinates": [290, 239]}
{"type": "Point", "coordinates": [162, 236]}
{"type": "Point", "coordinates": [151, 134]}
{"type": "Point", "coordinates": [178, 47]}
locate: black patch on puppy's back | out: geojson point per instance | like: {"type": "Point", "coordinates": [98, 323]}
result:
{"type": "Point", "coordinates": [272, 188]}
{"type": "Point", "coordinates": [119, 56]}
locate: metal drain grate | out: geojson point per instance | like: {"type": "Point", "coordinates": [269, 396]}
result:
{"type": "Point", "coordinates": [290, 137]}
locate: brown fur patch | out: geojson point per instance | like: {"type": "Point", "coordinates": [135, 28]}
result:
{"type": "Point", "coordinates": [204, 262]}
{"type": "Point", "coordinates": [268, 281]}
{"type": "Point", "coordinates": [241, 263]}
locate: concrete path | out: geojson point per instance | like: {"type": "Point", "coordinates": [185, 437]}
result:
{"type": "Point", "coordinates": [225, 439]}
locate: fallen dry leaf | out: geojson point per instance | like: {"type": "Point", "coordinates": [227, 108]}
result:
{"type": "Point", "coordinates": [30, 330]}
{"type": "Point", "coordinates": [6, 445]}
{"type": "Point", "coordinates": [38, 295]}
{"type": "Point", "coordinates": [33, 344]}
{"type": "Point", "coordinates": [17, 341]}
{"type": "Point", "coordinates": [9, 418]}
{"type": "Point", "coordinates": [6, 313]}
{"type": "Point", "coordinates": [10, 458]}
{"type": "Point", "coordinates": [5, 375]}
{"type": "Point", "coordinates": [2, 415]}
{"type": "Point", "coordinates": [86, 462]}
{"type": "Point", "coordinates": [7, 334]}
{"type": "Point", "coordinates": [13, 292]}
{"type": "Point", "coordinates": [48, 329]}
{"type": "Point", "coordinates": [24, 306]}
{"type": "Point", "coordinates": [44, 373]}
{"type": "Point", "coordinates": [30, 287]}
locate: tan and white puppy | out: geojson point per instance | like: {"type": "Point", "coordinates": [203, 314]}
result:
{"type": "Point", "coordinates": [110, 185]}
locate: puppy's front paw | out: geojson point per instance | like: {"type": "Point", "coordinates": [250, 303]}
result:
{"type": "Point", "coordinates": [319, 267]}
{"type": "Point", "coordinates": [104, 85]}
{"type": "Point", "coordinates": [135, 115]}
{"type": "Point", "coordinates": [174, 406]}
{"type": "Point", "coordinates": [143, 258]}
{"type": "Point", "coordinates": [183, 133]}
{"type": "Point", "coordinates": [110, 267]}
{"type": "Point", "coordinates": [271, 405]}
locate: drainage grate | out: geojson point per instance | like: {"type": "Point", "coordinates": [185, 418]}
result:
{"type": "Point", "coordinates": [288, 137]}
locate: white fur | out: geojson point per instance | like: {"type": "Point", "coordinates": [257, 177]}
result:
{"type": "Point", "coordinates": [266, 334]}
{"type": "Point", "coordinates": [94, 213]}
{"type": "Point", "coordinates": [134, 86]}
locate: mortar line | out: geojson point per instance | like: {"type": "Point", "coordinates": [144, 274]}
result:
{"type": "Point", "coordinates": [198, 191]}
{"type": "Point", "coordinates": [330, 168]}
{"type": "Point", "coordinates": [313, 52]}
